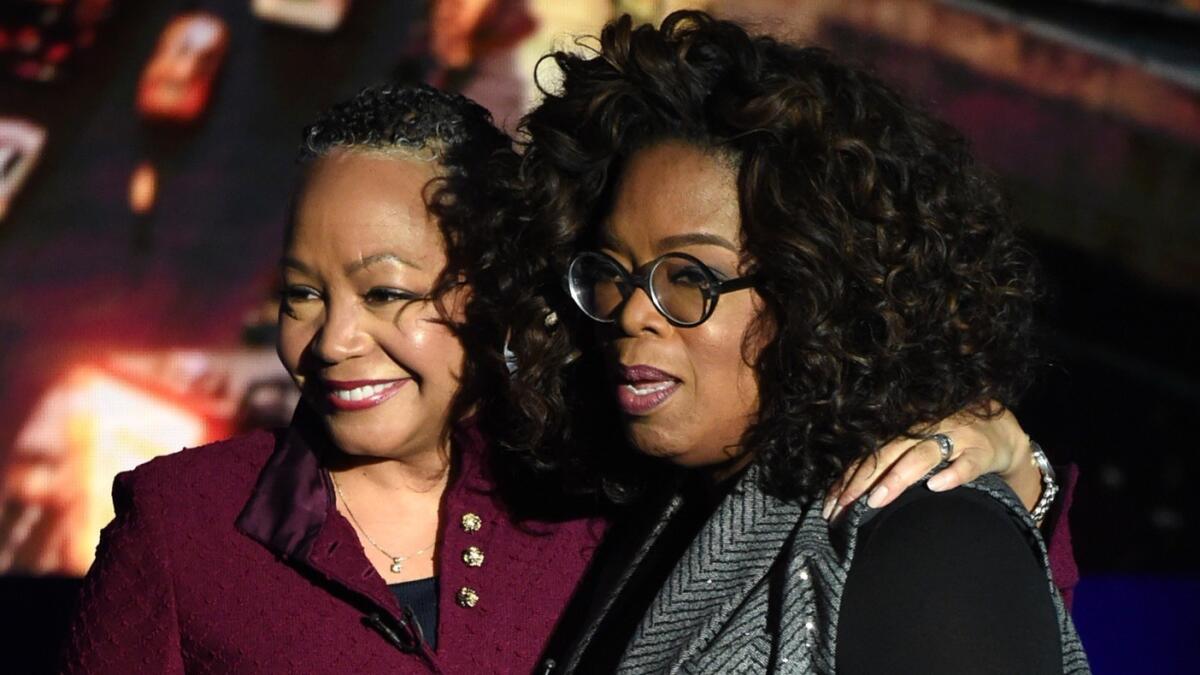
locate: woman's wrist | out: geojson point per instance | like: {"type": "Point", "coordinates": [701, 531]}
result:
{"type": "Point", "coordinates": [1049, 484]}
{"type": "Point", "coordinates": [1023, 475]}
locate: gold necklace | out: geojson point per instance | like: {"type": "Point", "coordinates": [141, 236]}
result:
{"type": "Point", "coordinates": [397, 560]}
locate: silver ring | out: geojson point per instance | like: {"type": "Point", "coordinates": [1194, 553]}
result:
{"type": "Point", "coordinates": [945, 445]}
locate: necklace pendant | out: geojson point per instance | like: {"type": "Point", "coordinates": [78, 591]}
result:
{"type": "Point", "coordinates": [397, 565]}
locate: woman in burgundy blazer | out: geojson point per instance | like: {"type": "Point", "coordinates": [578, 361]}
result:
{"type": "Point", "coordinates": [266, 553]}
{"type": "Point", "coordinates": [232, 558]}
{"type": "Point", "coordinates": [242, 556]}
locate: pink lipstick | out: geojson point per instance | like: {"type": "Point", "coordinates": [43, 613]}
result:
{"type": "Point", "coordinates": [641, 389]}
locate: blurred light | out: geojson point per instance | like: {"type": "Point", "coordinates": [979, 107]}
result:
{"type": "Point", "coordinates": [177, 81]}
{"type": "Point", "coordinates": [143, 188]}
{"type": "Point", "coordinates": [1111, 476]}
{"type": "Point", "coordinates": [1165, 518]}
{"type": "Point", "coordinates": [318, 15]}
{"type": "Point", "coordinates": [113, 428]}
{"type": "Point", "coordinates": [58, 52]}
{"type": "Point", "coordinates": [28, 39]}
{"type": "Point", "coordinates": [84, 432]}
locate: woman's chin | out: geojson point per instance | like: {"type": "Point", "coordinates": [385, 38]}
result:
{"type": "Point", "coordinates": [358, 449]}
{"type": "Point", "coordinates": [661, 445]}
{"type": "Point", "coordinates": [361, 441]}
{"type": "Point", "coordinates": [677, 449]}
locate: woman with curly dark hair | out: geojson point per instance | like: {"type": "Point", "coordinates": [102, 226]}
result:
{"type": "Point", "coordinates": [761, 264]}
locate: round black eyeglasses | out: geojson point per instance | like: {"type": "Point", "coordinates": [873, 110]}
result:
{"type": "Point", "coordinates": [682, 289]}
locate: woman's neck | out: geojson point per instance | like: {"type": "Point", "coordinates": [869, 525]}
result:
{"type": "Point", "coordinates": [711, 483]}
{"type": "Point", "coordinates": [720, 474]}
{"type": "Point", "coordinates": [422, 474]}
{"type": "Point", "coordinates": [393, 505]}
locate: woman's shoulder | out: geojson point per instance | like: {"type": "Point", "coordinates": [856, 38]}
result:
{"type": "Point", "coordinates": [957, 548]}
{"type": "Point", "coordinates": [940, 580]}
{"type": "Point", "coordinates": [937, 518]}
{"type": "Point", "coordinates": [965, 524]}
{"type": "Point", "coordinates": [201, 475]}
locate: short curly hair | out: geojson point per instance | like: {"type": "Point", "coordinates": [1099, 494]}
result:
{"type": "Point", "coordinates": [468, 199]}
{"type": "Point", "coordinates": [895, 289]}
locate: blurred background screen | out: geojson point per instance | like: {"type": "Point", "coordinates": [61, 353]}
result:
{"type": "Point", "coordinates": [147, 160]}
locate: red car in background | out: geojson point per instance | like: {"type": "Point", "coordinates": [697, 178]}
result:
{"type": "Point", "coordinates": [178, 80]}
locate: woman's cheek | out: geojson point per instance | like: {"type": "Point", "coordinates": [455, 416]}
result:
{"type": "Point", "coordinates": [294, 336]}
{"type": "Point", "coordinates": [733, 392]}
{"type": "Point", "coordinates": [428, 349]}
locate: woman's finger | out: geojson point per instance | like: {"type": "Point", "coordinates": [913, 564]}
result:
{"type": "Point", "coordinates": [863, 477]}
{"type": "Point", "coordinates": [831, 495]}
{"type": "Point", "coordinates": [835, 500]}
{"type": "Point", "coordinates": [968, 466]}
{"type": "Point", "coordinates": [899, 464]}
{"type": "Point", "coordinates": [864, 474]}
{"type": "Point", "coordinates": [908, 469]}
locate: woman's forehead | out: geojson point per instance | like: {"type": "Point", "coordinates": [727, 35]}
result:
{"type": "Point", "coordinates": [673, 193]}
{"type": "Point", "coordinates": [354, 206]}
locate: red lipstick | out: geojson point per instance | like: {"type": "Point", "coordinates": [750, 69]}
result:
{"type": "Point", "coordinates": [360, 394]}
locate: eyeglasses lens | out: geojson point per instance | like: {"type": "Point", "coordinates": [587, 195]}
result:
{"type": "Point", "coordinates": [681, 288]}
{"type": "Point", "coordinates": [597, 286]}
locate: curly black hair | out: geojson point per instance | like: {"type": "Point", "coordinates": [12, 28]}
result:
{"type": "Point", "coordinates": [895, 290]}
{"type": "Point", "coordinates": [468, 199]}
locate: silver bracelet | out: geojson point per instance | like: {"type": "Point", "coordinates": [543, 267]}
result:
{"type": "Point", "coordinates": [1049, 487]}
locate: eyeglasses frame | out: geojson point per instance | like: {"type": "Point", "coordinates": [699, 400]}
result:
{"type": "Point", "coordinates": [640, 279]}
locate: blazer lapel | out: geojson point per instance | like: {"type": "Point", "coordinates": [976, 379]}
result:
{"type": "Point", "coordinates": [733, 552]}
{"type": "Point", "coordinates": [627, 542]}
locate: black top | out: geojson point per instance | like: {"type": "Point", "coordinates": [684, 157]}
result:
{"type": "Point", "coordinates": [421, 597]}
{"type": "Point", "coordinates": [946, 583]}
{"type": "Point", "coordinates": [639, 551]}
{"type": "Point", "coordinates": [695, 507]}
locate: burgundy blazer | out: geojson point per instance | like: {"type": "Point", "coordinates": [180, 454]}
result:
{"type": "Point", "coordinates": [233, 558]}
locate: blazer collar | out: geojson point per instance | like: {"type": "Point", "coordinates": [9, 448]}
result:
{"type": "Point", "coordinates": [292, 513]}
{"type": "Point", "coordinates": [732, 553]}
{"type": "Point", "coordinates": [292, 500]}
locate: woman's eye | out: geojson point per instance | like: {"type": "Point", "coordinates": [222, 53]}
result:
{"type": "Point", "coordinates": [294, 294]}
{"type": "Point", "coordinates": [689, 276]}
{"type": "Point", "coordinates": [381, 295]}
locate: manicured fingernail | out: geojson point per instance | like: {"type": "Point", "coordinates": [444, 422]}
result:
{"type": "Point", "coordinates": [939, 482]}
{"type": "Point", "coordinates": [837, 509]}
{"type": "Point", "coordinates": [827, 510]}
{"type": "Point", "coordinates": [877, 496]}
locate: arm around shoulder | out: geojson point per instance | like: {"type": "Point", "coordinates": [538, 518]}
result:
{"type": "Point", "coordinates": [126, 620]}
{"type": "Point", "coordinates": [946, 583]}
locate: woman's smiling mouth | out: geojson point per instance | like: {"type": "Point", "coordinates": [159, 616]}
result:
{"type": "Point", "coordinates": [360, 394]}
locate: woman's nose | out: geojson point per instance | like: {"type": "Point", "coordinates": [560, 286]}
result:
{"type": "Point", "coordinates": [342, 335]}
{"type": "Point", "coordinates": [638, 315]}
